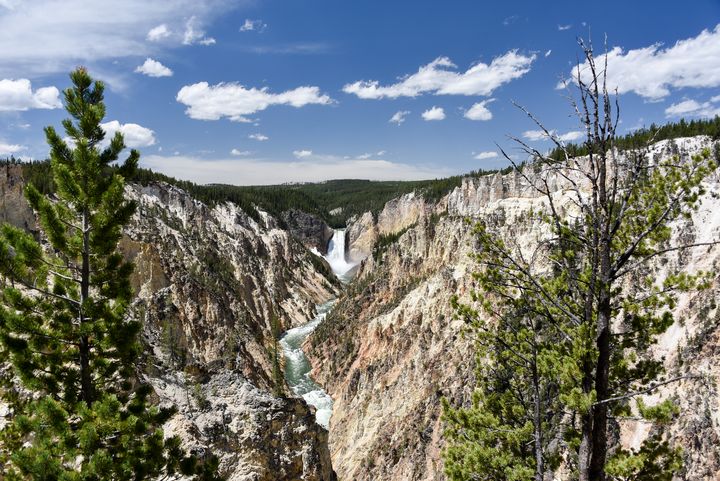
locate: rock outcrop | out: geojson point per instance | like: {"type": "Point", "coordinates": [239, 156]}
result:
{"type": "Point", "coordinates": [398, 214]}
{"type": "Point", "coordinates": [360, 236]}
{"type": "Point", "coordinates": [14, 209]}
{"type": "Point", "coordinates": [308, 229]}
{"type": "Point", "coordinates": [390, 349]}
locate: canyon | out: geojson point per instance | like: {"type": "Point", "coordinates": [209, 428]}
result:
{"type": "Point", "coordinates": [372, 343]}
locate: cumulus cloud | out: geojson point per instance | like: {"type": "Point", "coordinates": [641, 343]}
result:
{"type": "Point", "coordinates": [537, 135]}
{"type": "Point", "coordinates": [479, 111]}
{"type": "Point", "coordinates": [10, 149]}
{"type": "Point", "coordinates": [239, 152]}
{"type": "Point", "coordinates": [258, 137]}
{"type": "Point", "coordinates": [439, 77]}
{"type": "Point", "coordinates": [652, 71]}
{"type": "Point", "coordinates": [253, 25]}
{"type": "Point", "coordinates": [399, 117]}
{"type": "Point", "coordinates": [485, 155]}
{"type": "Point", "coordinates": [564, 27]}
{"type": "Point", "coordinates": [248, 171]}
{"type": "Point", "coordinates": [135, 135]}
{"type": "Point", "coordinates": [693, 108]}
{"type": "Point", "coordinates": [435, 113]}
{"type": "Point", "coordinates": [234, 101]}
{"type": "Point", "coordinates": [301, 154]}
{"type": "Point", "coordinates": [158, 33]}
{"type": "Point", "coordinates": [194, 34]}
{"type": "Point", "coordinates": [76, 32]}
{"type": "Point", "coordinates": [153, 68]}
{"type": "Point", "coordinates": [547, 54]}
{"type": "Point", "coordinates": [18, 95]}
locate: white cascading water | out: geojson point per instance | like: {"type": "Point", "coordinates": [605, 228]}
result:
{"type": "Point", "coordinates": [336, 255]}
{"type": "Point", "coordinates": [297, 365]}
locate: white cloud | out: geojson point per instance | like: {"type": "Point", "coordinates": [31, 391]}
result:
{"type": "Point", "coordinates": [435, 113]}
{"type": "Point", "coordinates": [135, 135]}
{"type": "Point", "coordinates": [9, 149]}
{"type": "Point", "coordinates": [652, 71]}
{"type": "Point", "coordinates": [158, 33]}
{"type": "Point", "coordinates": [258, 137]}
{"type": "Point", "coordinates": [693, 108]}
{"type": "Point", "coordinates": [238, 152]}
{"type": "Point", "coordinates": [537, 135]}
{"type": "Point", "coordinates": [534, 135]}
{"type": "Point", "coordinates": [547, 54]}
{"type": "Point", "coordinates": [399, 117]}
{"type": "Point", "coordinates": [571, 136]}
{"type": "Point", "coordinates": [67, 33]}
{"type": "Point", "coordinates": [310, 169]}
{"type": "Point", "coordinates": [438, 78]}
{"type": "Point", "coordinates": [564, 27]}
{"type": "Point", "coordinates": [367, 155]}
{"type": "Point", "coordinates": [194, 34]}
{"type": "Point", "coordinates": [153, 68]}
{"type": "Point", "coordinates": [18, 95]}
{"type": "Point", "coordinates": [479, 111]}
{"type": "Point", "coordinates": [234, 101]}
{"type": "Point", "coordinates": [485, 155]}
{"type": "Point", "coordinates": [253, 25]}
{"type": "Point", "coordinates": [301, 154]}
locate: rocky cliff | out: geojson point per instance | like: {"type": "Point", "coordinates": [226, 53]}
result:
{"type": "Point", "coordinates": [308, 229]}
{"type": "Point", "coordinates": [391, 349]}
{"type": "Point", "coordinates": [398, 214]}
{"type": "Point", "coordinates": [208, 282]}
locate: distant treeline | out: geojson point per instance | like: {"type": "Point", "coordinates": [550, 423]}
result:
{"type": "Point", "coordinates": [355, 197]}
{"type": "Point", "coordinates": [352, 196]}
{"type": "Point", "coordinates": [654, 133]}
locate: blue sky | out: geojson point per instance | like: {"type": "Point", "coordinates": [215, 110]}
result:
{"type": "Point", "coordinates": [269, 91]}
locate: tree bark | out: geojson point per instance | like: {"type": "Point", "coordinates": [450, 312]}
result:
{"type": "Point", "coordinates": [539, 460]}
{"type": "Point", "coordinates": [86, 386]}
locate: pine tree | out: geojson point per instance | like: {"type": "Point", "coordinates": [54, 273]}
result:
{"type": "Point", "coordinates": [591, 309]}
{"type": "Point", "coordinates": [78, 412]}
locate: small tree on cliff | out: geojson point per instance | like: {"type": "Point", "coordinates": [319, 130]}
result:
{"type": "Point", "coordinates": [590, 309]}
{"type": "Point", "coordinates": [77, 412]}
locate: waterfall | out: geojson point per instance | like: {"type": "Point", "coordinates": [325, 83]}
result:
{"type": "Point", "coordinates": [336, 254]}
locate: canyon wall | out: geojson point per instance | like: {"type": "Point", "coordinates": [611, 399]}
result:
{"type": "Point", "coordinates": [208, 282]}
{"type": "Point", "coordinates": [391, 348]}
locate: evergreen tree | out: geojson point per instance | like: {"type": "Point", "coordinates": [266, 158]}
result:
{"type": "Point", "coordinates": [581, 312]}
{"type": "Point", "coordinates": [77, 410]}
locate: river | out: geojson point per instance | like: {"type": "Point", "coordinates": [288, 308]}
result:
{"type": "Point", "coordinates": [297, 365]}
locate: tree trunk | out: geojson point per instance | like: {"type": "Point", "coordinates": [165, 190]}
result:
{"type": "Point", "coordinates": [599, 451]}
{"type": "Point", "coordinates": [585, 447]}
{"type": "Point", "coordinates": [86, 387]}
{"type": "Point", "coordinates": [539, 461]}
